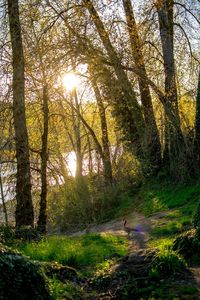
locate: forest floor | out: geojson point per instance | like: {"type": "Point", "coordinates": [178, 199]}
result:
{"type": "Point", "coordinates": [139, 239]}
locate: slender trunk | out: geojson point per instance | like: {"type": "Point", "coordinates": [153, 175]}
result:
{"type": "Point", "coordinates": [24, 210]}
{"type": "Point", "coordinates": [90, 159]}
{"type": "Point", "coordinates": [107, 166]}
{"type": "Point", "coordinates": [153, 146]}
{"type": "Point", "coordinates": [3, 200]}
{"type": "Point", "coordinates": [197, 126]}
{"type": "Point", "coordinates": [42, 220]}
{"type": "Point", "coordinates": [76, 125]}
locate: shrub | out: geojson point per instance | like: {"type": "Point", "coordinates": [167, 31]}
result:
{"type": "Point", "coordinates": [21, 279]}
{"type": "Point", "coordinates": [187, 244]}
{"type": "Point", "coordinates": [27, 233]}
{"type": "Point", "coordinates": [166, 263]}
{"type": "Point", "coordinates": [7, 234]}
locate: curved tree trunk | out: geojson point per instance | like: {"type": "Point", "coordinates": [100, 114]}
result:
{"type": "Point", "coordinates": [24, 210]}
{"type": "Point", "coordinates": [132, 117]}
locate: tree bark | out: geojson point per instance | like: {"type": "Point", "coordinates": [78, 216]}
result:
{"type": "Point", "coordinates": [42, 220]}
{"type": "Point", "coordinates": [3, 200]}
{"type": "Point", "coordinates": [24, 210]}
{"type": "Point", "coordinates": [107, 166]}
{"type": "Point", "coordinates": [197, 126]}
{"type": "Point", "coordinates": [153, 145]}
{"type": "Point", "coordinates": [165, 17]}
{"type": "Point", "coordinates": [135, 119]}
{"type": "Point", "coordinates": [76, 125]}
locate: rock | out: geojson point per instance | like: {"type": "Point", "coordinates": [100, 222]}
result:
{"type": "Point", "coordinates": [63, 273]}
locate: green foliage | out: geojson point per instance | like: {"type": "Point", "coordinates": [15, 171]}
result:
{"type": "Point", "coordinates": [156, 196]}
{"type": "Point", "coordinates": [196, 218]}
{"type": "Point", "coordinates": [67, 290]}
{"type": "Point", "coordinates": [7, 234]}
{"type": "Point", "coordinates": [20, 278]}
{"type": "Point", "coordinates": [89, 202]}
{"type": "Point", "coordinates": [188, 245]}
{"type": "Point", "coordinates": [170, 228]}
{"type": "Point", "coordinates": [86, 250]}
{"type": "Point", "coordinates": [166, 263]}
{"type": "Point", "coordinates": [27, 233]}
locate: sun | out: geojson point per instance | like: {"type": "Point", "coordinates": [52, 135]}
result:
{"type": "Point", "coordinates": [70, 81]}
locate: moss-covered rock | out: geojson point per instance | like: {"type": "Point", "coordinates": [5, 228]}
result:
{"type": "Point", "coordinates": [20, 278]}
{"type": "Point", "coordinates": [63, 273]}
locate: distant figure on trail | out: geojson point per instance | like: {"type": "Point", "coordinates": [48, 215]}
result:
{"type": "Point", "coordinates": [136, 234]}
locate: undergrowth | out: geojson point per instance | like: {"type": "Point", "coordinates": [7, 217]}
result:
{"type": "Point", "coordinates": [86, 250]}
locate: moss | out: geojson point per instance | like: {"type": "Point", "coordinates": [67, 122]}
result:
{"type": "Point", "coordinates": [20, 278]}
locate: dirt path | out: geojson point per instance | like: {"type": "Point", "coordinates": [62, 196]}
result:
{"type": "Point", "coordinates": [138, 238]}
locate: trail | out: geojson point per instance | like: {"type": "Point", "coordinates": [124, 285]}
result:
{"type": "Point", "coordinates": [135, 220]}
{"type": "Point", "coordinates": [138, 240]}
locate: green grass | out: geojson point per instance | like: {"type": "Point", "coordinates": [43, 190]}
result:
{"type": "Point", "coordinates": [87, 250]}
{"type": "Point", "coordinates": [155, 197]}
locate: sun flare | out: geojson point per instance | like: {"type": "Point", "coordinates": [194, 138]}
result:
{"type": "Point", "coordinates": [70, 81]}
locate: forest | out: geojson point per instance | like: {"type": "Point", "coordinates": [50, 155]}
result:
{"type": "Point", "coordinates": [99, 149]}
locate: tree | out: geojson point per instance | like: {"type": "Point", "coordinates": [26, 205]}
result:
{"type": "Point", "coordinates": [153, 146]}
{"type": "Point", "coordinates": [106, 157]}
{"type": "Point", "coordinates": [173, 127]}
{"type": "Point", "coordinates": [42, 220]}
{"type": "Point", "coordinates": [197, 126]}
{"type": "Point", "coordinates": [24, 209]}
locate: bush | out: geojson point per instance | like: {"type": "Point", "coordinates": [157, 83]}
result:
{"type": "Point", "coordinates": [21, 279]}
{"type": "Point", "coordinates": [196, 218]}
{"type": "Point", "coordinates": [166, 263]}
{"type": "Point", "coordinates": [187, 244]}
{"type": "Point", "coordinates": [7, 234]}
{"type": "Point", "coordinates": [27, 233]}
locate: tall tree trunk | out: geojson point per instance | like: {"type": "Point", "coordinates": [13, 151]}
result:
{"type": "Point", "coordinates": [24, 210]}
{"type": "Point", "coordinates": [42, 220]}
{"type": "Point", "coordinates": [132, 118]}
{"type": "Point", "coordinates": [165, 17]}
{"type": "Point", "coordinates": [153, 146]}
{"type": "Point", "coordinates": [107, 166]}
{"type": "Point", "coordinates": [197, 126]}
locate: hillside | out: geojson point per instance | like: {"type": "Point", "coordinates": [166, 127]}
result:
{"type": "Point", "coordinates": [109, 263]}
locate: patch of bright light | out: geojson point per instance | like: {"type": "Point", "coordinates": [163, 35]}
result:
{"type": "Point", "coordinates": [70, 81]}
{"type": "Point", "coordinates": [71, 163]}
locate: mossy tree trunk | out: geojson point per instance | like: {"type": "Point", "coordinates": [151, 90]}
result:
{"type": "Point", "coordinates": [175, 140]}
{"type": "Point", "coordinates": [24, 210]}
{"type": "Point", "coordinates": [153, 146]}
{"type": "Point", "coordinates": [132, 117]}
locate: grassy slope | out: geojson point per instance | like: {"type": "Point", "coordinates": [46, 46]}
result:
{"type": "Point", "coordinates": [95, 252]}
